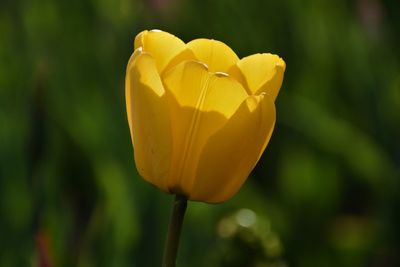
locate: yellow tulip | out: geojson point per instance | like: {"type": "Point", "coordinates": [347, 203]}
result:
{"type": "Point", "coordinates": [199, 117]}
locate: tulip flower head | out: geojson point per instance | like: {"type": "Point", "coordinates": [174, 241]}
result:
{"type": "Point", "coordinates": [199, 117]}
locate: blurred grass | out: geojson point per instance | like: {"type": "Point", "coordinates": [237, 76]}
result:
{"type": "Point", "coordinates": [326, 192]}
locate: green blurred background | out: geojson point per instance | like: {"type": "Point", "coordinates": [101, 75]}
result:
{"type": "Point", "coordinates": [325, 193]}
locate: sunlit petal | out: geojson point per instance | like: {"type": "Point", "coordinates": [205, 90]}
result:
{"type": "Point", "coordinates": [167, 49]}
{"type": "Point", "coordinates": [149, 119]}
{"type": "Point", "coordinates": [260, 73]}
{"type": "Point", "coordinates": [128, 101]}
{"type": "Point", "coordinates": [218, 56]}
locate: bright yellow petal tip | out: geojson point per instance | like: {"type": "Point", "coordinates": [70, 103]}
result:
{"type": "Point", "coordinates": [218, 56]}
{"type": "Point", "coordinates": [260, 73]}
{"type": "Point", "coordinates": [164, 47]}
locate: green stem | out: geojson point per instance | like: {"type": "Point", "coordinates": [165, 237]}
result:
{"type": "Point", "coordinates": [174, 231]}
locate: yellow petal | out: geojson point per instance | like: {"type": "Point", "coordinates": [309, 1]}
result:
{"type": "Point", "coordinates": [149, 119]}
{"type": "Point", "coordinates": [139, 39]}
{"type": "Point", "coordinates": [218, 56]}
{"type": "Point", "coordinates": [167, 49]}
{"type": "Point", "coordinates": [260, 73]}
{"type": "Point", "coordinates": [231, 153]}
{"type": "Point", "coordinates": [200, 103]}
{"type": "Point", "coordinates": [129, 111]}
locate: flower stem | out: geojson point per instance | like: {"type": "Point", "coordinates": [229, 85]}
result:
{"type": "Point", "coordinates": [174, 231]}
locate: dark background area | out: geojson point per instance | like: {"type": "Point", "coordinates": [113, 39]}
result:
{"type": "Point", "coordinates": [325, 192]}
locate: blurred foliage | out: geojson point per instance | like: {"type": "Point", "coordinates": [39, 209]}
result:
{"type": "Point", "coordinates": [325, 193]}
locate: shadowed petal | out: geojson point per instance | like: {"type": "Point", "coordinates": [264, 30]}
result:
{"type": "Point", "coordinates": [230, 154]}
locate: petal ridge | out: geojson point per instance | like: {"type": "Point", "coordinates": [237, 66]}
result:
{"type": "Point", "coordinates": [196, 112]}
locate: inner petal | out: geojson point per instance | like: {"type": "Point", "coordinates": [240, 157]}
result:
{"type": "Point", "coordinates": [218, 56]}
{"type": "Point", "coordinates": [164, 47]}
